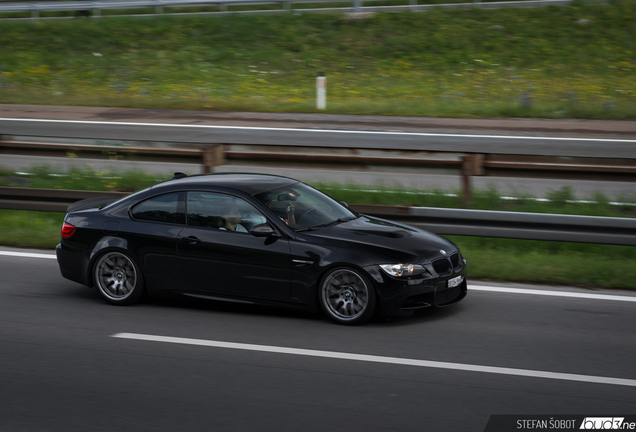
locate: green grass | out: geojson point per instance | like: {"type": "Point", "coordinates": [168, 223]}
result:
{"type": "Point", "coordinates": [489, 258]}
{"type": "Point", "coordinates": [561, 201]}
{"type": "Point", "coordinates": [78, 178]}
{"type": "Point", "coordinates": [30, 229]}
{"type": "Point", "coordinates": [573, 264]}
{"type": "Point", "coordinates": [575, 61]}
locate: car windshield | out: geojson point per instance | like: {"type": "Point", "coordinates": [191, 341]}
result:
{"type": "Point", "coordinates": [303, 207]}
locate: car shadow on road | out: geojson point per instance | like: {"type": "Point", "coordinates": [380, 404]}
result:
{"type": "Point", "coordinates": [423, 316]}
{"type": "Point", "coordinates": [184, 302]}
{"type": "Point", "coordinates": [419, 317]}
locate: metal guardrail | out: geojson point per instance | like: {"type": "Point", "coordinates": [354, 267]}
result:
{"type": "Point", "coordinates": [206, 156]}
{"type": "Point", "coordinates": [514, 225]}
{"type": "Point", "coordinates": [357, 5]}
{"type": "Point", "coordinates": [49, 200]}
{"type": "Point", "coordinates": [480, 223]}
{"type": "Point", "coordinates": [467, 164]}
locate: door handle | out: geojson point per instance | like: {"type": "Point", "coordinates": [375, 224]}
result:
{"type": "Point", "coordinates": [191, 239]}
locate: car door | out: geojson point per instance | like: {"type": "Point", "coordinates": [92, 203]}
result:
{"type": "Point", "coordinates": [217, 256]}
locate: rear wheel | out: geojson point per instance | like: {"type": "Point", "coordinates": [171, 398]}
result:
{"type": "Point", "coordinates": [117, 278]}
{"type": "Point", "coordinates": [347, 297]}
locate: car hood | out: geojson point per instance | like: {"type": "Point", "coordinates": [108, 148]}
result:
{"type": "Point", "coordinates": [383, 234]}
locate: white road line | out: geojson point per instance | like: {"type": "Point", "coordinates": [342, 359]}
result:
{"type": "Point", "coordinates": [322, 130]}
{"type": "Point", "coordinates": [551, 293]}
{"type": "Point", "coordinates": [382, 359]}
{"type": "Point", "coordinates": [28, 255]}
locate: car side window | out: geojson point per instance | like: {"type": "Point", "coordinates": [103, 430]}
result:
{"type": "Point", "coordinates": [162, 208]}
{"type": "Point", "coordinates": [221, 211]}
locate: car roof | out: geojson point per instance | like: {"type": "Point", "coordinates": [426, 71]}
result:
{"type": "Point", "coordinates": [249, 183]}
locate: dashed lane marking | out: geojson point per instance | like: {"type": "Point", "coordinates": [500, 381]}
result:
{"type": "Point", "coordinates": [551, 293]}
{"type": "Point", "coordinates": [381, 359]}
{"type": "Point", "coordinates": [28, 255]}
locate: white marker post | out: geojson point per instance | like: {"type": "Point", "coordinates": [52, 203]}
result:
{"type": "Point", "coordinates": [321, 91]}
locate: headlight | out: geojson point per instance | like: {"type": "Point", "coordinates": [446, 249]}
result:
{"type": "Point", "coordinates": [399, 270]}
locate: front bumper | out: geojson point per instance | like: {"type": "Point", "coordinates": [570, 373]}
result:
{"type": "Point", "coordinates": [402, 297]}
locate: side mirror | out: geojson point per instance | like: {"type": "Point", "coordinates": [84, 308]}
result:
{"type": "Point", "coordinates": [344, 204]}
{"type": "Point", "coordinates": [263, 230]}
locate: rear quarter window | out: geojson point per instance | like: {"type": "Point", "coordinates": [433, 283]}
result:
{"type": "Point", "coordinates": [166, 208]}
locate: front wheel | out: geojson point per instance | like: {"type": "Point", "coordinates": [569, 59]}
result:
{"type": "Point", "coordinates": [118, 279]}
{"type": "Point", "coordinates": [347, 297]}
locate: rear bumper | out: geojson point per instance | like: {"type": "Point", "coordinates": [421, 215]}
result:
{"type": "Point", "coordinates": [73, 264]}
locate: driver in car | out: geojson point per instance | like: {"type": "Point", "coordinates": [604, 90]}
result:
{"type": "Point", "coordinates": [291, 217]}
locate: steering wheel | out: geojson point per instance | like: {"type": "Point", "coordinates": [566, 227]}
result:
{"type": "Point", "coordinates": [309, 210]}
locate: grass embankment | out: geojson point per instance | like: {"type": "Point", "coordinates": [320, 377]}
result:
{"type": "Point", "coordinates": [489, 258]}
{"type": "Point", "coordinates": [571, 61]}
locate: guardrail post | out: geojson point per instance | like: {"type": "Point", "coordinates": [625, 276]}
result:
{"type": "Point", "coordinates": [35, 14]}
{"type": "Point", "coordinates": [213, 156]}
{"type": "Point", "coordinates": [478, 165]}
{"type": "Point", "coordinates": [472, 165]}
{"type": "Point", "coordinates": [413, 3]}
{"type": "Point", "coordinates": [467, 193]}
{"type": "Point", "coordinates": [287, 6]}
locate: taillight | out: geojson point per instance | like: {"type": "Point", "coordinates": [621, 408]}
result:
{"type": "Point", "coordinates": [67, 230]}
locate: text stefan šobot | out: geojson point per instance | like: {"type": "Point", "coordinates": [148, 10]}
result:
{"type": "Point", "coordinates": [546, 424]}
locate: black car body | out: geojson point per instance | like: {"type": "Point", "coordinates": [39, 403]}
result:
{"type": "Point", "coordinates": [299, 248]}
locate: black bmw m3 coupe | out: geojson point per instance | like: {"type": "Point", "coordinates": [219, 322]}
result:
{"type": "Point", "coordinates": [257, 239]}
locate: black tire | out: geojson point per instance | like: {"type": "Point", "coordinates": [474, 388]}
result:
{"type": "Point", "coordinates": [118, 279]}
{"type": "Point", "coordinates": [346, 296]}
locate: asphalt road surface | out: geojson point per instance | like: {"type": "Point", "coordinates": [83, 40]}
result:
{"type": "Point", "coordinates": [309, 135]}
{"type": "Point", "coordinates": [510, 352]}
{"type": "Point", "coordinates": [521, 136]}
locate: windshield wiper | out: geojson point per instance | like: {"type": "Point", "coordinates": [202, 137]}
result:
{"type": "Point", "coordinates": [315, 227]}
{"type": "Point", "coordinates": [326, 224]}
{"type": "Point", "coordinates": [349, 218]}
{"type": "Point", "coordinates": [334, 222]}
{"type": "Point", "coordinates": [330, 223]}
